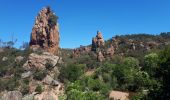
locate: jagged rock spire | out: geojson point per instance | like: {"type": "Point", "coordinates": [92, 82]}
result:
{"type": "Point", "coordinates": [45, 32]}
{"type": "Point", "coordinates": [97, 41]}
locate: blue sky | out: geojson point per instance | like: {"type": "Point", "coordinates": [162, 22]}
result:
{"type": "Point", "coordinates": [79, 20]}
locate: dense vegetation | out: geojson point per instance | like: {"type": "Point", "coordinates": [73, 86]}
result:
{"type": "Point", "coordinates": [145, 74]}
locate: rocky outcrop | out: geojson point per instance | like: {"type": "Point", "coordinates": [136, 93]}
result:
{"type": "Point", "coordinates": [49, 95]}
{"type": "Point", "coordinates": [26, 74]}
{"type": "Point", "coordinates": [40, 61]}
{"type": "Point", "coordinates": [100, 56]}
{"type": "Point", "coordinates": [19, 59]}
{"type": "Point", "coordinates": [117, 95]}
{"type": "Point", "coordinates": [82, 49]}
{"type": "Point", "coordinates": [110, 51]}
{"type": "Point", "coordinates": [45, 33]}
{"type": "Point", "coordinates": [12, 95]}
{"type": "Point", "coordinates": [97, 41]}
{"type": "Point", "coordinates": [50, 81]}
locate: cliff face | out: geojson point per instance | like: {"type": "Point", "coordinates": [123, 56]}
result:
{"type": "Point", "coordinates": [45, 32]}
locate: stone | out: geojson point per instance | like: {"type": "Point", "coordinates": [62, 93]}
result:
{"type": "Point", "coordinates": [40, 61]}
{"type": "Point", "coordinates": [19, 59]}
{"type": "Point", "coordinates": [12, 95]}
{"type": "Point", "coordinates": [117, 95]}
{"type": "Point", "coordinates": [47, 95]}
{"type": "Point", "coordinates": [55, 83]}
{"type": "Point", "coordinates": [26, 74]}
{"type": "Point", "coordinates": [110, 51]}
{"type": "Point", "coordinates": [48, 80]}
{"type": "Point", "coordinates": [28, 97]}
{"type": "Point", "coordinates": [45, 32]}
{"type": "Point", "coordinates": [4, 59]}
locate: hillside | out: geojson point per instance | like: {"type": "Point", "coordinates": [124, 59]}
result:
{"type": "Point", "coordinates": [125, 67]}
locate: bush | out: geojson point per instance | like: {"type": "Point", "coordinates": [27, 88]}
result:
{"type": "Point", "coordinates": [39, 89]}
{"type": "Point", "coordinates": [131, 62]}
{"type": "Point", "coordinates": [40, 74]}
{"type": "Point", "coordinates": [52, 20]}
{"type": "Point", "coordinates": [72, 72]}
{"type": "Point", "coordinates": [25, 89]}
{"type": "Point", "coordinates": [49, 66]}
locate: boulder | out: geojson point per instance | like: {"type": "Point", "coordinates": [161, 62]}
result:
{"type": "Point", "coordinates": [12, 95]}
{"type": "Point", "coordinates": [40, 61]}
{"type": "Point", "coordinates": [19, 59]}
{"type": "Point", "coordinates": [48, 80]}
{"type": "Point", "coordinates": [26, 74]}
{"type": "Point", "coordinates": [117, 95]}
{"type": "Point", "coordinates": [110, 51]}
{"type": "Point", "coordinates": [4, 59]}
{"type": "Point", "coordinates": [55, 83]}
{"type": "Point", "coordinates": [47, 95]}
{"type": "Point", "coordinates": [28, 97]}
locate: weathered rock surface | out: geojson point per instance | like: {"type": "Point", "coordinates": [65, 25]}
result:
{"type": "Point", "coordinates": [19, 59]}
{"type": "Point", "coordinates": [40, 61]}
{"type": "Point", "coordinates": [26, 74]}
{"type": "Point", "coordinates": [28, 97]}
{"type": "Point", "coordinates": [50, 81]}
{"type": "Point", "coordinates": [82, 49]}
{"type": "Point", "coordinates": [45, 33]}
{"type": "Point", "coordinates": [97, 41]}
{"type": "Point", "coordinates": [12, 95]}
{"type": "Point", "coordinates": [46, 96]}
{"type": "Point", "coordinates": [110, 51]}
{"type": "Point", "coordinates": [100, 56]}
{"type": "Point", "coordinates": [4, 58]}
{"type": "Point", "coordinates": [117, 95]}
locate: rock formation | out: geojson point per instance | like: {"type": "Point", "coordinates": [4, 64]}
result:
{"type": "Point", "coordinates": [110, 51]}
{"type": "Point", "coordinates": [40, 61]}
{"type": "Point", "coordinates": [100, 56]}
{"type": "Point", "coordinates": [97, 41]}
{"type": "Point", "coordinates": [11, 95]}
{"type": "Point", "coordinates": [45, 33]}
{"type": "Point", "coordinates": [78, 51]}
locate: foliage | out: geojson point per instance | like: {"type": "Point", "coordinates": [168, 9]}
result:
{"type": "Point", "coordinates": [24, 89]}
{"type": "Point", "coordinates": [75, 92]}
{"type": "Point", "coordinates": [39, 89]}
{"type": "Point", "coordinates": [72, 72]}
{"type": "Point", "coordinates": [52, 20]}
{"type": "Point", "coordinates": [151, 63]}
{"type": "Point", "coordinates": [40, 74]}
{"type": "Point", "coordinates": [49, 66]}
{"type": "Point", "coordinates": [162, 91]}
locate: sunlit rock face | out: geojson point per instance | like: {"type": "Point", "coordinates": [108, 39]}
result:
{"type": "Point", "coordinates": [97, 41]}
{"type": "Point", "coordinates": [45, 32]}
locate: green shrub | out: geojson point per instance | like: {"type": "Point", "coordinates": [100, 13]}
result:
{"type": "Point", "coordinates": [72, 72]}
{"type": "Point", "coordinates": [49, 66]}
{"type": "Point", "coordinates": [39, 89]}
{"type": "Point", "coordinates": [25, 89]}
{"type": "Point", "coordinates": [40, 74]}
{"type": "Point", "coordinates": [52, 20]}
